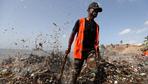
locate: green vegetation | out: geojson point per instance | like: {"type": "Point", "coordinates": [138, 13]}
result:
{"type": "Point", "coordinates": [146, 42]}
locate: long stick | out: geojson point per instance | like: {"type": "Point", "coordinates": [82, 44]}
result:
{"type": "Point", "coordinates": [63, 65]}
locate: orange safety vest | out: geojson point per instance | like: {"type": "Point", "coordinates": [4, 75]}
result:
{"type": "Point", "coordinates": [78, 46]}
{"type": "Point", "coordinates": [146, 53]}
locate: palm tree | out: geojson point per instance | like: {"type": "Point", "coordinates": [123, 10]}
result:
{"type": "Point", "coordinates": [146, 38]}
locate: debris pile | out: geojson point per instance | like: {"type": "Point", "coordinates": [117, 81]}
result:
{"type": "Point", "coordinates": [113, 68]}
{"type": "Point", "coordinates": [33, 69]}
{"type": "Point", "coordinates": [115, 73]}
{"type": "Point", "coordinates": [120, 64]}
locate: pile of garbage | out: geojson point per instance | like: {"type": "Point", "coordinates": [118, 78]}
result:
{"type": "Point", "coordinates": [117, 66]}
{"type": "Point", "coordinates": [36, 69]}
{"type": "Point", "coordinates": [33, 69]}
{"type": "Point", "coordinates": [115, 73]}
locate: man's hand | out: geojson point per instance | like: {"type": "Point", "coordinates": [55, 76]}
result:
{"type": "Point", "coordinates": [67, 51]}
{"type": "Point", "coordinates": [98, 55]}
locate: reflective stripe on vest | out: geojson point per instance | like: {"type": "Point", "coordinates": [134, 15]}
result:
{"type": "Point", "coordinates": [78, 46]}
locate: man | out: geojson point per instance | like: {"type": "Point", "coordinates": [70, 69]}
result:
{"type": "Point", "coordinates": [87, 35]}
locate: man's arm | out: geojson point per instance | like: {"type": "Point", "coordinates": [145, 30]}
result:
{"type": "Point", "coordinates": [72, 36]}
{"type": "Point", "coordinates": [71, 39]}
{"type": "Point", "coordinates": [97, 44]}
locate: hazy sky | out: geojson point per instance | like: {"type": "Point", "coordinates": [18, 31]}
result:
{"type": "Point", "coordinates": [22, 21]}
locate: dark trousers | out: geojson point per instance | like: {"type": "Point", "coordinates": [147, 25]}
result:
{"type": "Point", "coordinates": [78, 63]}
